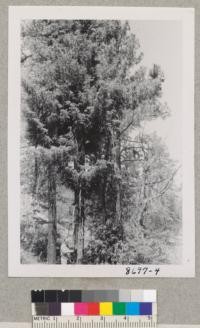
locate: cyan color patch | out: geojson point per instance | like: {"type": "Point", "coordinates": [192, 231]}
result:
{"type": "Point", "coordinates": [133, 308]}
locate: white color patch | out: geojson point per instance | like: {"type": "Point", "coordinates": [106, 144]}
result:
{"type": "Point", "coordinates": [67, 308]}
{"type": "Point", "coordinates": [149, 295]}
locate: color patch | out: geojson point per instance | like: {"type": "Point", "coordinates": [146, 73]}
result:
{"type": "Point", "coordinates": [50, 296]}
{"type": "Point", "coordinates": [149, 295]}
{"type": "Point", "coordinates": [63, 296]}
{"type": "Point", "coordinates": [54, 308]}
{"type": "Point", "coordinates": [67, 308]}
{"type": "Point", "coordinates": [75, 295]}
{"type": "Point", "coordinates": [106, 308]}
{"type": "Point", "coordinates": [101, 296]}
{"type": "Point", "coordinates": [133, 308]}
{"type": "Point", "coordinates": [124, 295]}
{"type": "Point", "coordinates": [137, 295]}
{"type": "Point", "coordinates": [81, 308]}
{"type": "Point", "coordinates": [93, 309]}
{"type": "Point", "coordinates": [145, 308]}
{"type": "Point", "coordinates": [119, 308]}
{"type": "Point", "coordinates": [37, 296]}
{"type": "Point", "coordinates": [111, 296]}
{"type": "Point", "coordinates": [88, 296]}
{"type": "Point", "coordinates": [40, 309]}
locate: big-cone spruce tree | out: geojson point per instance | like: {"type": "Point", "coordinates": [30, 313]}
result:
{"type": "Point", "coordinates": [84, 93]}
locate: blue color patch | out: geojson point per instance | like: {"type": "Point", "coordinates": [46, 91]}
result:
{"type": "Point", "coordinates": [133, 308]}
{"type": "Point", "coordinates": [145, 308]}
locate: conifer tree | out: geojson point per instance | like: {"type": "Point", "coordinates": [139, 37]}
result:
{"type": "Point", "coordinates": [85, 91]}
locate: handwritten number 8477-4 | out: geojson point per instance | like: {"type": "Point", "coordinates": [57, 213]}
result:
{"type": "Point", "coordinates": [141, 271]}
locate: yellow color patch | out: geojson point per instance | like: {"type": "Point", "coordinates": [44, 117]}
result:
{"type": "Point", "coordinates": [106, 308]}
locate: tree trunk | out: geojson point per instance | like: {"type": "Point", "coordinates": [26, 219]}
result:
{"type": "Point", "coordinates": [52, 224]}
{"type": "Point", "coordinates": [76, 222]}
{"type": "Point", "coordinates": [142, 215]}
{"type": "Point", "coordinates": [118, 164]}
{"type": "Point", "coordinates": [36, 174]}
{"type": "Point", "coordinates": [103, 197]}
{"type": "Point", "coordinates": [144, 207]}
{"type": "Point", "coordinates": [79, 213]}
{"type": "Point", "coordinates": [118, 203]}
{"type": "Point", "coordinates": [79, 220]}
{"type": "Point", "coordinates": [112, 202]}
{"type": "Point", "coordinates": [82, 212]}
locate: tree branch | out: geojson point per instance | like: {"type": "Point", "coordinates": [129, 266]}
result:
{"type": "Point", "coordinates": [166, 187]}
{"type": "Point", "coordinates": [132, 147]}
{"type": "Point", "coordinates": [129, 124]}
{"type": "Point", "coordinates": [24, 57]}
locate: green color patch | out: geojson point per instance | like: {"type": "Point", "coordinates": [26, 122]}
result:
{"type": "Point", "coordinates": [119, 308]}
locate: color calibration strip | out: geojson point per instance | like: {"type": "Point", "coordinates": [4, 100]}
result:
{"type": "Point", "coordinates": [92, 309]}
{"type": "Point", "coordinates": [85, 296]}
{"type": "Point", "coordinates": [93, 303]}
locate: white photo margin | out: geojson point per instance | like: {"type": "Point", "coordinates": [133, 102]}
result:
{"type": "Point", "coordinates": [186, 16]}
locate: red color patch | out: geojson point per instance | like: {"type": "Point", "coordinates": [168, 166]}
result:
{"type": "Point", "coordinates": [93, 308]}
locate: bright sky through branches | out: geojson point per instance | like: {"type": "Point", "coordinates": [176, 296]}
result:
{"type": "Point", "coordinates": [160, 43]}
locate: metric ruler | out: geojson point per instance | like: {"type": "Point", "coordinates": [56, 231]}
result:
{"type": "Point", "coordinates": [95, 321]}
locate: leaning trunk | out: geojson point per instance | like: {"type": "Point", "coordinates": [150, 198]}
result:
{"type": "Point", "coordinates": [52, 224]}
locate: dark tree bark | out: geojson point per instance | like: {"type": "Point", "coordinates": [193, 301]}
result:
{"type": "Point", "coordinates": [52, 215]}
{"type": "Point", "coordinates": [79, 212]}
{"type": "Point", "coordinates": [82, 212]}
{"type": "Point", "coordinates": [36, 174]}
{"type": "Point", "coordinates": [144, 207]}
{"type": "Point", "coordinates": [76, 222]}
{"type": "Point", "coordinates": [79, 223]}
{"type": "Point", "coordinates": [103, 198]}
{"type": "Point", "coordinates": [118, 165]}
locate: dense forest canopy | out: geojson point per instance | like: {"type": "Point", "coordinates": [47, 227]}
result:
{"type": "Point", "coordinates": [95, 188]}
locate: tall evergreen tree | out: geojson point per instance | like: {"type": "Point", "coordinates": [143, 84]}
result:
{"type": "Point", "coordinates": [84, 93]}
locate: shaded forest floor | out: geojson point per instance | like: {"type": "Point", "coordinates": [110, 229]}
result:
{"type": "Point", "coordinates": [173, 254]}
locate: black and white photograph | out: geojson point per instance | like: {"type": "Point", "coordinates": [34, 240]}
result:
{"type": "Point", "coordinates": [101, 142]}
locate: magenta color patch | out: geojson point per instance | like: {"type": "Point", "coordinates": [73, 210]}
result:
{"type": "Point", "coordinates": [81, 308]}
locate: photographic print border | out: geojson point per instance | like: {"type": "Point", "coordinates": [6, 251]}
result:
{"type": "Point", "coordinates": [186, 16]}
